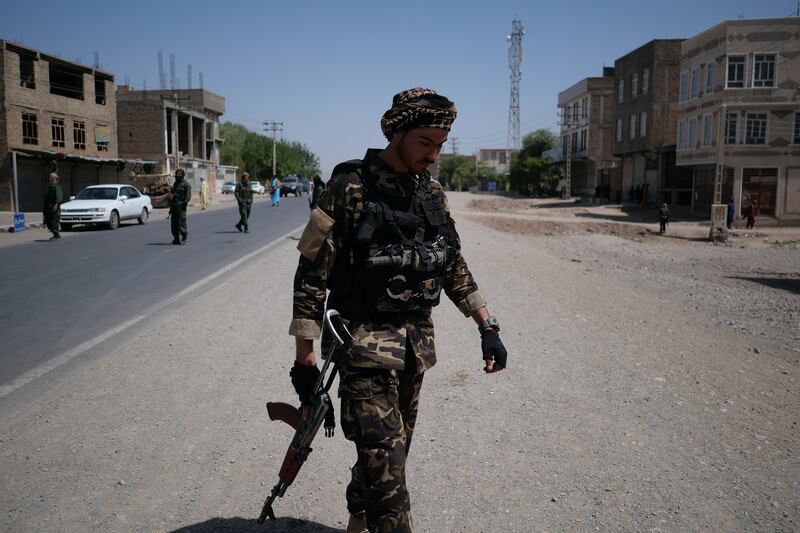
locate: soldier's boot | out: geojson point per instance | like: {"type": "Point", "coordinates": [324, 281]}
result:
{"type": "Point", "coordinates": [246, 229]}
{"type": "Point", "coordinates": [184, 238]}
{"type": "Point", "coordinates": [238, 226]}
{"type": "Point", "coordinates": [357, 523]}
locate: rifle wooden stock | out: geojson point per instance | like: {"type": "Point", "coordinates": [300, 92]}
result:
{"type": "Point", "coordinates": [289, 468]}
{"type": "Point", "coordinates": [284, 412]}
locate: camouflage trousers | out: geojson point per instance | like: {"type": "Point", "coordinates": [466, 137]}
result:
{"type": "Point", "coordinates": [52, 221]}
{"type": "Point", "coordinates": [378, 413]}
{"type": "Point", "coordinates": [244, 213]}
{"type": "Point", "coordinates": [177, 219]}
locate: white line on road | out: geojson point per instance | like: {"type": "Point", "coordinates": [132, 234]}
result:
{"type": "Point", "coordinates": [46, 367]}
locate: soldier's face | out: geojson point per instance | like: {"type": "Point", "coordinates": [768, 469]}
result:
{"type": "Point", "coordinates": [419, 148]}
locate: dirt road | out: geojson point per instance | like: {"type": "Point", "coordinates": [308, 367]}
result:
{"type": "Point", "coordinates": [638, 398]}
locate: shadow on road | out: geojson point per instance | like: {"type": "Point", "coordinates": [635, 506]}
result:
{"type": "Point", "coordinates": [786, 284]}
{"type": "Point", "coordinates": [238, 524]}
{"type": "Point", "coordinates": [231, 231]}
{"type": "Point", "coordinates": [159, 243]}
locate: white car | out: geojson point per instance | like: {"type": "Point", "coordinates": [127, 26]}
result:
{"type": "Point", "coordinates": [107, 205]}
{"type": "Point", "coordinates": [256, 187]}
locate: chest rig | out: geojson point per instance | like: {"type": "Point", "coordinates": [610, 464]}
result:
{"type": "Point", "coordinates": [398, 256]}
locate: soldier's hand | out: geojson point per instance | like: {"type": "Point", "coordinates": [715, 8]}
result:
{"type": "Point", "coordinates": [304, 378]}
{"type": "Point", "coordinates": [494, 352]}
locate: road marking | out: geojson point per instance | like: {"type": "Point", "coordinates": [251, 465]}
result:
{"type": "Point", "coordinates": [48, 366]}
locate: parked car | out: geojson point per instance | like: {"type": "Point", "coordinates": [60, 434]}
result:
{"type": "Point", "coordinates": [106, 205]}
{"type": "Point", "coordinates": [257, 188]}
{"type": "Point", "coordinates": [293, 185]}
{"type": "Point", "coordinates": [229, 187]}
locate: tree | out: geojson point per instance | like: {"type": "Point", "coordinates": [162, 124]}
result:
{"type": "Point", "coordinates": [457, 171]}
{"type": "Point", "coordinates": [252, 153]}
{"type": "Point", "coordinates": [528, 166]}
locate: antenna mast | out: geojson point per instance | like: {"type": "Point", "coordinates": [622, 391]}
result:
{"type": "Point", "coordinates": [514, 62]}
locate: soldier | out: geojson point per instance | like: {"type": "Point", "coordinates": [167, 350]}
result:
{"type": "Point", "coordinates": [319, 186]}
{"type": "Point", "coordinates": [382, 241]}
{"type": "Point", "coordinates": [244, 197]}
{"type": "Point", "coordinates": [51, 209]}
{"type": "Point", "coordinates": [179, 201]}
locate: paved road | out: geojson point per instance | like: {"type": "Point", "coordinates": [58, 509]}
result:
{"type": "Point", "coordinates": [61, 298]}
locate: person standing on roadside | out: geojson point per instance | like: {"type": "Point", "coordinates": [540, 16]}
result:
{"type": "Point", "coordinates": [276, 191]}
{"type": "Point", "coordinates": [203, 193]}
{"type": "Point", "coordinates": [730, 212]}
{"type": "Point", "coordinates": [663, 218]}
{"type": "Point", "coordinates": [382, 241]}
{"type": "Point", "coordinates": [51, 210]}
{"type": "Point", "coordinates": [179, 201]}
{"type": "Point", "coordinates": [319, 186]}
{"type": "Point", "coordinates": [244, 197]}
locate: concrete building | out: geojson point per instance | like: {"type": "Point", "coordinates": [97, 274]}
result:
{"type": "Point", "coordinates": [645, 89]}
{"type": "Point", "coordinates": [173, 127]}
{"type": "Point", "coordinates": [586, 128]}
{"type": "Point", "coordinates": [498, 159]}
{"type": "Point", "coordinates": [55, 116]}
{"type": "Point", "coordinates": [739, 83]}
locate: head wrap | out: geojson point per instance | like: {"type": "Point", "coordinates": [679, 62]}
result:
{"type": "Point", "coordinates": [418, 108]}
{"type": "Point", "coordinates": [181, 171]}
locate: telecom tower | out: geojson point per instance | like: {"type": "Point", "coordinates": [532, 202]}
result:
{"type": "Point", "coordinates": [514, 62]}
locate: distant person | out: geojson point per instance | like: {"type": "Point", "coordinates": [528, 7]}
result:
{"type": "Point", "coordinates": [731, 209]}
{"type": "Point", "coordinates": [180, 195]}
{"type": "Point", "coordinates": [203, 193]}
{"type": "Point", "coordinates": [631, 194]}
{"type": "Point", "coordinates": [637, 195]}
{"type": "Point", "coordinates": [276, 191]}
{"type": "Point", "coordinates": [51, 210]}
{"type": "Point", "coordinates": [319, 186]}
{"type": "Point", "coordinates": [244, 197]}
{"type": "Point", "coordinates": [750, 215]}
{"type": "Point", "coordinates": [663, 218]}
{"type": "Point", "coordinates": [645, 194]}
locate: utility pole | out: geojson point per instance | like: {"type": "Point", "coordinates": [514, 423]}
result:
{"type": "Point", "coordinates": [454, 144]}
{"type": "Point", "coordinates": [274, 127]}
{"type": "Point", "coordinates": [719, 211]}
{"type": "Point", "coordinates": [566, 193]}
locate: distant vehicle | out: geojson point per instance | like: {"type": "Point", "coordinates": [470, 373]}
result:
{"type": "Point", "coordinates": [293, 185]}
{"type": "Point", "coordinates": [229, 187]}
{"type": "Point", "coordinates": [257, 188]}
{"type": "Point", "coordinates": [106, 205]}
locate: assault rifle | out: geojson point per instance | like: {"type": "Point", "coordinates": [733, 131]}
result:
{"type": "Point", "coordinates": [307, 423]}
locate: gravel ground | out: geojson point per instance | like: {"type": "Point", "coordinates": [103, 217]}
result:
{"type": "Point", "coordinates": [630, 403]}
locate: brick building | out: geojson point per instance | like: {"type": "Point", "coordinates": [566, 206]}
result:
{"type": "Point", "coordinates": [586, 128]}
{"type": "Point", "coordinates": [56, 115]}
{"type": "Point", "coordinates": [739, 81]}
{"type": "Point", "coordinates": [498, 159]}
{"type": "Point", "coordinates": [645, 89]}
{"type": "Point", "coordinates": [174, 128]}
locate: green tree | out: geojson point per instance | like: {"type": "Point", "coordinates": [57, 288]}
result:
{"type": "Point", "coordinates": [457, 171]}
{"type": "Point", "coordinates": [252, 153]}
{"type": "Point", "coordinates": [529, 166]}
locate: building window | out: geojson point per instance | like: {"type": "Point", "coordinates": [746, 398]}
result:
{"type": "Point", "coordinates": [634, 84]}
{"type": "Point", "coordinates": [27, 70]}
{"type": "Point", "coordinates": [574, 142]}
{"type": "Point", "coordinates": [756, 129]}
{"type": "Point", "coordinates": [735, 79]}
{"type": "Point", "coordinates": [619, 130]}
{"type": "Point", "coordinates": [643, 124]}
{"type": "Point", "coordinates": [707, 130]}
{"type": "Point", "coordinates": [493, 155]}
{"type": "Point", "coordinates": [66, 81]}
{"type": "Point", "coordinates": [57, 129]}
{"type": "Point", "coordinates": [101, 137]}
{"type": "Point", "coordinates": [621, 91]}
{"type": "Point", "coordinates": [796, 136]}
{"type": "Point", "coordinates": [99, 90]}
{"type": "Point", "coordinates": [695, 89]}
{"type": "Point", "coordinates": [79, 135]}
{"type": "Point", "coordinates": [684, 86]}
{"type": "Point", "coordinates": [582, 141]}
{"type": "Point", "coordinates": [30, 129]}
{"type": "Point", "coordinates": [764, 70]}
{"type": "Point", "coordinates": [681, 134]}
{"type": "Point", "coordinates": [585, 106]}
{"type": "Point", "coordinates": [501, 158]}
{"type": "Point", "coordinates": [692, 127]}
{"type": "Point", "coordinates": [645, 81]}
{"type": "Point", "coordinates": [711, 74]}
{"type": "Point", "coordinates": [732, 128]}
{"type": "Point", "coordinates": [632, 126]}
{"type": "Point", "coordinates": [564, 143]}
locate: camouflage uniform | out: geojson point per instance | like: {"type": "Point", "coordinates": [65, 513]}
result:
{"type": "Point", "coordinates": [381, 379]}
{"type": "Point", "coordinates": [53, 197]}
{"type": "Point", "coordinates": [244, 197]}
{"type": "Point", "coordinates": [181, 194]}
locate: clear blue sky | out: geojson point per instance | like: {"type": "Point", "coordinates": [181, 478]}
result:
{"type": "Point", "coordinates": [328, 69]}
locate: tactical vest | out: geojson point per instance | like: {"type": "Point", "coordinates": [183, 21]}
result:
{"type": "Point", "coordinates": [395, 263]}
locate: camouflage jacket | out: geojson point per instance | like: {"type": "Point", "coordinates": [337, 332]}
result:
{"type": "Point", "coordinates": [53, 196]}
{"type": "Point", "coordinates": [181, 194]}
{"type": "Point", "coordinates": [333, 222]}
{"type": "Point", "coordinates": [243, 192]}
